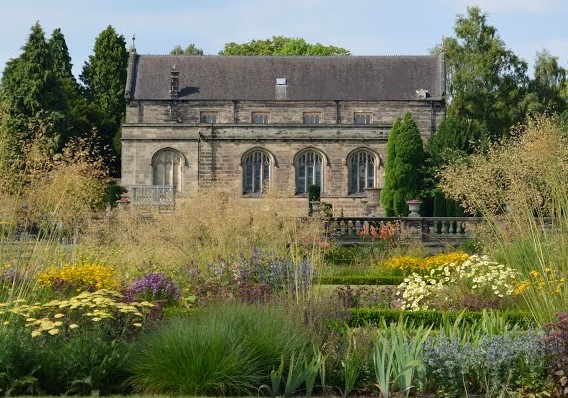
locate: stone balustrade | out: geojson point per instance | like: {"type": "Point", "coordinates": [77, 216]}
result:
{"type": "Point", "coordinates": [432, 230]}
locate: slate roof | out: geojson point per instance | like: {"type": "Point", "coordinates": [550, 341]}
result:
{"type": "Point", "coordinates": [308, 77]}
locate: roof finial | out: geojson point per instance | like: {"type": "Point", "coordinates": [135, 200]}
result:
{"type": "Point", "coordinates": [133, 46]}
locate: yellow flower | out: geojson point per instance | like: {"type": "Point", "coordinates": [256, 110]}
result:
{"type": "Point", "coordinates": [73, 326]}
{"type": "Point", "coordinates": [53, 331]}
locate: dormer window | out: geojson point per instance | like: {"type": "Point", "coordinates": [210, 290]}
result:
{"type": "Point", "coordinates": [422, 94]}
{"type": "Point", "coordinates": [281, 81]}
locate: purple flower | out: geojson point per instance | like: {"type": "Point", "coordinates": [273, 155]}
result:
{"type": "Point", "coordinates": [155, 287]}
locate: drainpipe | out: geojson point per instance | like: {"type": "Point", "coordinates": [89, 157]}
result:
{"type": "Point", "coordinates": [199, 137]}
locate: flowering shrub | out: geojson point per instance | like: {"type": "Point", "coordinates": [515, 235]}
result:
{"type": "Point", "coordinates": [409, 264]}
{"type": "Point", "coordinates": [77, 278]}
{"type": "Point", "coordinates": [388, 231]}
{"type": "Point", "coordinates": [478, 276]}
{"type": "Point", "coordinates": [549, 279]}
{"type": "Point", "coordinates": [155, 287]}
{"type": "Point", "coordinates": [103, 307]}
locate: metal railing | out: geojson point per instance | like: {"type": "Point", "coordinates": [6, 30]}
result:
{"type": "Point", "coordinates": [153, 195]}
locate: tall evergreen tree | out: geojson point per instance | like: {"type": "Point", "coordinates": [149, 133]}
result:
{"type": "Point", "coordinates": [31, 90]}
{"type": "Point", "coordinates": [403, 173]}
{"type": "Point", "coordinates": [77, 120]}
{"type": "Point", "coordinates": [104, 79]}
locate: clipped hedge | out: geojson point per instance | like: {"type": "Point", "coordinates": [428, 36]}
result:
{"type": "Point", "coordinates": [361, 280]}
{"type": "Point", "coordinates": [373, 316]}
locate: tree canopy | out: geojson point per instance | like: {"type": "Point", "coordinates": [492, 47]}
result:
{"type": "Point", "coordinates": [280, 45]}
{"type": "Point", "coordinates": [485, 80]}
{"type": "Point", "coordinates": [189, 50]}
{"type": "Point", "coordinates": [104, 79]}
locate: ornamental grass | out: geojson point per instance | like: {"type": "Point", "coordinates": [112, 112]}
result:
{"type": "Point", "coordinates": [519, 186]}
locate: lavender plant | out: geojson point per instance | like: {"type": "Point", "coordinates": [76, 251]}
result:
{"type": "Point", "coordinates": [155, 287]}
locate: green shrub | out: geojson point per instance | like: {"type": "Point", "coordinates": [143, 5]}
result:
{"type": "Point", "coordinates": [80, 363]}
{"type": "Point", "coordinates": [217, 350]}
{"type": "Point", "coordinates": [361, 280]}
{"type": "Point", "coordinates": [373, 316]}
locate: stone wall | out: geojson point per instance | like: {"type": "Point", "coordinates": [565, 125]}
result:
{"type": "Point", "coordinates": [213, 154]}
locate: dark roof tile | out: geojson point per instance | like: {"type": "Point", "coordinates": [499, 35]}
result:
{"type": "Point", "coordinates": [308, 77]}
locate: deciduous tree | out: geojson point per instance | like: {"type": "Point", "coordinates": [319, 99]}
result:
{"type": "Point", "coordinates": [280, 45]}
{"type": "Point", "coordinates": [189, 50]}
{"type": "Point", "coordinates": [485, 80]}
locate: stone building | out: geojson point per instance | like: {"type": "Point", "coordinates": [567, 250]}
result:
{"type": "Point", "coordinates": [281, 122]}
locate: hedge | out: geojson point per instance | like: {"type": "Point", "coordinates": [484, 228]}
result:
{"type": "Point", "coordinates": [373, 316]}
{"type": "Point", "coordinates": [361, 280]}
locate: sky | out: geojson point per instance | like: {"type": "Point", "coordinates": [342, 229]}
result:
{"type": "Point", "coordinates": [365, 27]}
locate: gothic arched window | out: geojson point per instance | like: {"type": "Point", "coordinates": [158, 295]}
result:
{"type": "Point", "coordinates": [309, 171]}
{"type": "Point", "coordinates": [168, 168]}
{"type": "Point", "coordinates": [256, 172]}
{"type": "Point", "coordinates": [362, 171]}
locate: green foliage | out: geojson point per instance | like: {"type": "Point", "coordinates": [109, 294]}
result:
{"type": "Point", "coordinates": [280, 45]}
{"type": "Point", "coordinates": [485, 80]}
{"type": "Point", "coordinates": [396, 352]}
{"type": "Point", "coordinates": [314, 192]}
{"type": "Point", "coordinates": [114, 192]}
{"type": "Point", "coordinates": [79, 363]}
{"type": "Point", "coordinates": [547, 90]}
{"type": "Point", "coordinates": [491, 364]}
{"type": "Point", "coordinates": [218, 350]}
{"type": "Point", "coordinates": [453, 138]}
{"type": "Point", "coordinates": [403, 173]}
{"type": "Point", "coordinates": [189, 50]}
{"type": "Point", "coordinates": [361, 280]}
{"type": "Point", "coordinates": [104, 79]}
{"type": "Point", "coordinates": [32, 90]}
{"type": "Point", "coordinates": [528, 173]}
{"type": "Point", "coordinates": [374, 316]}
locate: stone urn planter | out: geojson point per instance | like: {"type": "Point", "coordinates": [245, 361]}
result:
{"type": "Point", "coordinates": [414, 207]}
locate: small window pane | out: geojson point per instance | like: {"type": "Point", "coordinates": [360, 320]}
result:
{"type": "Point", "coordinates": [362, 118]}
{"type": "Point", "coordinates": [260, 118]}
{"type": "Point", "coordinates": [210, 118]}
{"type": "Point", "coordinates": [311, 118]}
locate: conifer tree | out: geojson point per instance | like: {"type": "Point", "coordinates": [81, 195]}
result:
{"type": "Point", "coordinates": [104, 79]}
{"type": "Point", "coordinates": [31, 90]}
{"type": "Point", "coordinates": [405, 157]}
